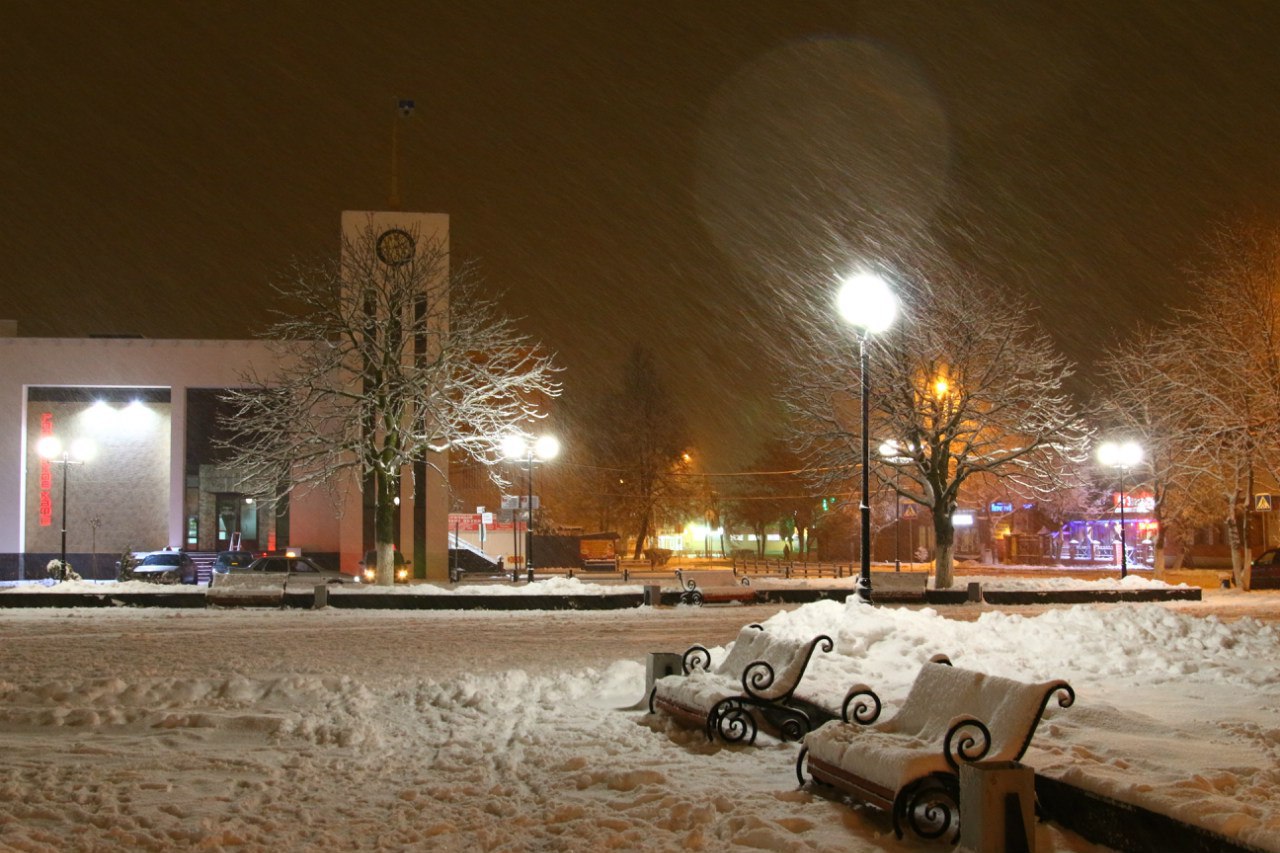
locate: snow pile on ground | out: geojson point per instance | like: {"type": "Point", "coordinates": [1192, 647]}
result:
{"type": "Point", "coordinates": [258, 729]}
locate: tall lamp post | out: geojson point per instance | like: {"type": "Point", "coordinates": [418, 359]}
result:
{"type": "Point", "coordinates": [866, 302]}
{"type": "Point", "coordinates": [543, 448]}
{"type": "Point", "coordinates": [1122, 456]}
{"type": "Point", "coordinates": [889, 451]}
{"type": "Point", "coordinates": [81, 450]}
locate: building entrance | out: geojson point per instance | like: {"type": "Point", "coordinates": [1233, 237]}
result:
{"type": "Point", "coordinates": [236, 514]}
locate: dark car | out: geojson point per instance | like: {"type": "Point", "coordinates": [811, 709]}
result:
{"type": "Point", "coordinates": [295, 569]}
{"type": "Point", "coordinates": [369, 567]}
{"type": "Point", "coordinates": [166, 567]}
{"type": "Point", "coordinates": [1266, 571]}
{"type": "Point", "coordinates": [227, 560]}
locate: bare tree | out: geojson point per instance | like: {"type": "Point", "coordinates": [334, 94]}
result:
{"type": "Point", "coordinates": [967, 384]}
{"type": "Point", "coordinates": [1142, 380]}
{"type": "Point", "coordinates": [386, 362]}
{"type": "Point", "coordinates": [1219, 371]}
{"type": "Point", "coordinates": [776, 493]}
{"type": "Point", "coordinates": [637, 435]}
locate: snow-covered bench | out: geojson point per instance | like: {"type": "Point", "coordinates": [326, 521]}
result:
{"type": "Point", "coordinates": [909, 765]}
{"type": "Point", "coordinates": [247, 589]}
{"type": "Point", "coordinates": [714, 585]}
{"type": "Point", "coordinates": [899, 586]}
{"type": "Point", "coordinates": [748, 690]}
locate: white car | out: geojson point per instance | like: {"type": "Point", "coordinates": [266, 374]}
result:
{"type": "Point", "coordinates": [166, 567]}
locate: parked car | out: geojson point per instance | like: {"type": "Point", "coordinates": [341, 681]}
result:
{"type": "Point", "coordinates": [1266, 570]}
{"type": "Point", "coordinates": [166, 567]}
{"type": "Point", "coordinates": [369, 567]}
{"type": "Point", "coordinates": [228, 559]}
{"type": "Point", "coordinates": [296, 569]}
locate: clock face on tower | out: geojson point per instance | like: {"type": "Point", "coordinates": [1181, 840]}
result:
{"type": "Point", "coordinates": [395, 247]}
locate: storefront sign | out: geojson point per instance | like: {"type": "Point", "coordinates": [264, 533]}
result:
{"type": "Point", "coordinates": [1134, 502]}
{"type": "Point", "coordinates": [472, 522]}
{"type": "Point", "coordinates": [46, 474]}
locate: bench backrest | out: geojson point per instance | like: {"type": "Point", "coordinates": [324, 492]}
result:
{"type": "Point", "coordinates": [788, 658]}
{"type": "Point", "coordinates": [749, 646]}
{"type": "Point", "coordinates": [706, 578]}
{"type": "Point", "coordinates": [1010, 709]}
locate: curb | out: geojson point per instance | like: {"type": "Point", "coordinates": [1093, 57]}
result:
{"type": "Point", "coordinates": [620, 601]}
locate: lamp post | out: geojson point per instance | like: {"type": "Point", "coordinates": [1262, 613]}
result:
{"type": "Point", "coordinates": [866, 303]}
{"type": "Point", "coordinates": [543, 448]}
{"type": "Point", "coordinates": [891, 454]}
{"type": "Point", "coordinates": [81, 450]}
{"type": "Point", "coordinates": [1122, 456]}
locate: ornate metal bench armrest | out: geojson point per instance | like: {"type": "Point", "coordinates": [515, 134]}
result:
{"type": "Point", "coordinates": [1066, 698]}
{"type": "Point", "coordinates": [968, 739]}
{"type": "Point", "coordinates": [866, 708]}
{"type": "Point", "coordinates": [695, 657]}
{"type": "Point", "coordinates": [759, 675]}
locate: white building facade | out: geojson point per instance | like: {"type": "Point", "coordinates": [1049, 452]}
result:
{"type": "Point", "coordinates": [148, 409]}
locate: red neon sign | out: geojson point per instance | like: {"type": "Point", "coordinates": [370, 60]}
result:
{"type": "Point", "coordinates": [46, 474]}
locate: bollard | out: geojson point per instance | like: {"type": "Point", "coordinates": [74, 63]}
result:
{"type": "Point", "coordinates": [659, 665]}
{"type": "Point", "coordinates": [322, 597]}
{"type": "Point", "coordinates": [997, 807]}
{"type": "Point", "coordinates": [652, 595]}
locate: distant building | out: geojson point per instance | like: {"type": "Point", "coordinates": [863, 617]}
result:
{"type": "Point", "coordinates": [156, 480]}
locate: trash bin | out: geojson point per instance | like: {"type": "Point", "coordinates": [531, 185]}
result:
{"type": "Point", "coordinates": [322, 597]}
{"type": "Point", "coordinates": [652, 595]}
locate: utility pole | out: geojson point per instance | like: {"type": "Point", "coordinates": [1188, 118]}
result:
{"type": "Point", "coordinates": [404, 109]}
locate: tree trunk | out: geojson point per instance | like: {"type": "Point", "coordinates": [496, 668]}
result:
{"type": "Point", "coordinates": [1158, 563]}
{"type": "Point", "coordinates": [384, 530]}
{"type": "Point", "coordinates": [945, 534]}
{"type": "Point", "coordinates": [641, 536]}
{"type": "Point", "coordinates": [1233, 545]}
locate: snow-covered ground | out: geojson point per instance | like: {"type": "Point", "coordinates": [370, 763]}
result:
{"type": "Point", "coordinates": [344, 729]}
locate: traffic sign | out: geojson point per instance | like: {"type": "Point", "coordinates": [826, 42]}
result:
{"type": "Point", "coordinates": [908, 511]}
{"type": "Point", "coordinates": [1262, 502]}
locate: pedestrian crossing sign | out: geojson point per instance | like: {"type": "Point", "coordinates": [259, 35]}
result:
{"type": "Point", "coordinates": [908, 511]}
{"type": "Point", "coordinates": [1262, 503]}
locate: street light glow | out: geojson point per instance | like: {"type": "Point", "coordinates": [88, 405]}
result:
{"type": "Point", "coordinates": [49, 447]}
{"type": "Point", "coordinates": [514, 447]}
{"type": "Point", "coordinates": [1120, 454]}
{"type": "Point", "coordinates": [547, 447]}
{"type": "Point", "coordinates": [866, 301]}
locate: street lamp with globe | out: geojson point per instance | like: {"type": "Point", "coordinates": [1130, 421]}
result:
{"type": "Point", "coordinates": [543, 448]}
{"type": "Point", "coordinates": [866, 302]}
{"type": "Point", "coordinates": [81, 450]}
{"type": "Point", "coordinates": [1121, 455]}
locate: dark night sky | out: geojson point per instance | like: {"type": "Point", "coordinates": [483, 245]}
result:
{"type": "Point", "coordinates": [670, 171]}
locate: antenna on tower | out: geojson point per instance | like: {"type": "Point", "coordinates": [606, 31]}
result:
{"type": "Point", "coordinates": [404, 109]}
